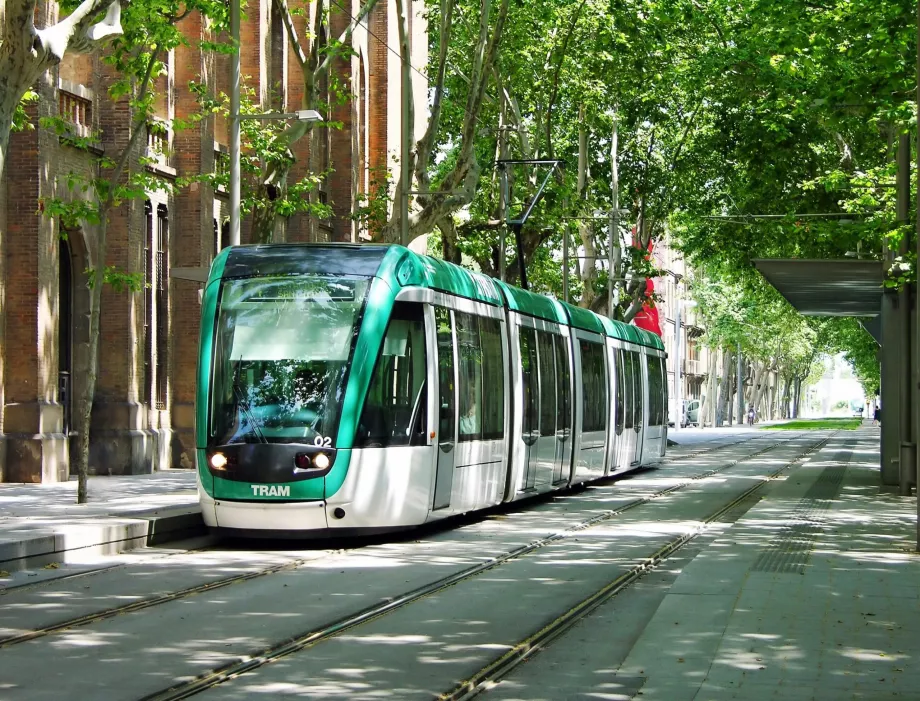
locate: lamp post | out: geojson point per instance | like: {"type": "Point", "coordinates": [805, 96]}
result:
{"type": "Point", "coordinates": [236, 118]}
{"type": "Point", "coordinates": [677, 360]}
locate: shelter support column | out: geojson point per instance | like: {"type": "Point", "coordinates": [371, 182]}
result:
{"type": "Point", "coordinates": [890, 394]}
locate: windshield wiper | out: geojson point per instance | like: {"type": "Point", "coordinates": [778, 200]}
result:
{"type": "Point", "coordinates": [244, 403]}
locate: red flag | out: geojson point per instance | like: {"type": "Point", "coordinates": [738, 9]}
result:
{"type": "Point", "coordinates": [648, 318]}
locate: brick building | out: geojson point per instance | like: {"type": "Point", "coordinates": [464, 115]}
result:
{"type": "Point", "coordinates": [143, 416]}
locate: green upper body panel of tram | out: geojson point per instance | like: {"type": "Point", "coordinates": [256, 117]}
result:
{"type": "Point", "coordinates": [290, 335]}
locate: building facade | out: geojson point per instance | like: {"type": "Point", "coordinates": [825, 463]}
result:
{"type": "Point", "coordinates": [143, 414]}
{"type": "Point", "coordinates": [688, 359]}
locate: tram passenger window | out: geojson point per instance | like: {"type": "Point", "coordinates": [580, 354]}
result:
{"type": "Point", "coordinates": [395, 410]}
{"type": "Point", "coordinates": [655, 385]}
{"type": "Point", "coordinates": [663, 390]}
{"type": "Point", "coordinates": [621, 392]}
{"type": "Point", "coordinates": [637, 389]}
{"type": "Point", "coordinates": [469, 354]}
{"type": "Point", "coordinates": [629, 420]}
{"type": "Point", "coordinates": [493, 380]}
{"type": "Point", "coordinates": [563, 383]}
{"type": "Point", "coordinates": [529, 377]}
{"type": "Point", "coordinates": [594, 379]}
{"type": "Point", "coordinates": [445, 374]}
{"type": "Point", "coordinates": [547, 385]}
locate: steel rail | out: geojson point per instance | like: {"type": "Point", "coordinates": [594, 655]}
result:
{"type": "Point", "coordinates": [300, 642]}
{"type": "Point", "coordinates": [490, 674]}
{"type": "Point", "coordinates": [143, 604]}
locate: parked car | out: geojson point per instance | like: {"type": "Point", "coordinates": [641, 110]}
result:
{"type": "Point", "coordinates": [690, 413]}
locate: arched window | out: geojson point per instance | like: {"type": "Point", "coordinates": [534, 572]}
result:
{"type": "Point", "coordinates": [156, 305]}
{"type": "Point", "coordinates": [162, 304]}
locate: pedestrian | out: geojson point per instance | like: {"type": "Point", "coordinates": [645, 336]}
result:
{"type": "Point", "coordinates": [877, 419]}
{"type": "Point", "coordinates": [751, 415]}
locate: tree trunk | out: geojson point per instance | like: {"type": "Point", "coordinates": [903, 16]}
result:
{"type": "Point", "coordinates": [712, 383]}
{"type": "Point", "coordinates": [797, 397]}
{"type": "Point", "coordinates": [724, 388]}
{"type": "Point", "coordinates": [84, 404]}
{"type": "Point", "coordinates": [83, 409]}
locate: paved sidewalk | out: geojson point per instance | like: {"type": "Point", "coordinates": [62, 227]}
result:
{"type": "Point", "coordinates": [813, 594]}
{"type": "Point", "coordinates": [42, 523]}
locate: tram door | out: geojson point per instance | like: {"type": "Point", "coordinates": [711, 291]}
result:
{"type": "Point", "coordinates": [635, 362]}
{"type": "Point", "coordinates": [530, 388]}
{"type": "Point", "coordinates": [447, 408]}
{"type": "Point", "coordinates": [638, 403]}
{"type": "Point", "coordinates": [562, 467]}
{"type": "Point", "coordinates": [626, 426]}
{"type": "Point", "coordinates": [544, 451]}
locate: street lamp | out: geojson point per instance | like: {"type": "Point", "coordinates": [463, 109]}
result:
{"type": "Point", "coordinates": [677, 360]}
{"type": "Point", "coordinates": [236, 118]}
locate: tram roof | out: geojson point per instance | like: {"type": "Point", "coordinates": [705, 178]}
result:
{"type": "Point", "coordinates": [589, 321]}
{"type": "Point", "coordinates": [410, 268]}
{"type": "Point", "coordinates": [532, 304]}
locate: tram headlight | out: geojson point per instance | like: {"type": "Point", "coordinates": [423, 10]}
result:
{"type": "Point", "coordinates": [218, 461]}
{"type": "Point", "coordinates": [321, 461]}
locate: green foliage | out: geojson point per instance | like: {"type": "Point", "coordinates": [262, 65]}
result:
{"type": "Point", "coordinates": [20, 118]}
{"type": "Point", "coordinates": [265, 149]}
{"type": "Point", "coordinates": [119, 280]}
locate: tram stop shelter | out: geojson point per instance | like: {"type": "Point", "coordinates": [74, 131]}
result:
{"type": "Point", "coordinates": [851, 287]}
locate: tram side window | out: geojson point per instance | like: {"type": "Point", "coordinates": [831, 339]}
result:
{"type": "Point", "coordinates": [395, 410]}
{"type": "Point", "coordinates": [629, 420]}
{"type": "Point", "coordinates": [493, 380]}
{"type": "Point", "coordinates": [637, 388]}
{"type": "Point", "coordinates": [594, 379]}
{"type": "Point", "coordinates": [621, 391]}
{"type": "Point", "coordinates": [547, 385]}
{"type": "Point", "coordinates": [444, 331]}
{"type": "Point", "coordinates": [563, 382]}
{"type": "Point", "coordinates": [469, 354]}
{"type": "Point", "coordinates": [655, 398]}
{"type": "Point", "coordinates": [663, 390]}
{"type": "Point", "coordinates": [529, 380]}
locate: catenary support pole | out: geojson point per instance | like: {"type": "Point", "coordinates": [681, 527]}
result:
{"type": "Point", "coordinates": [678, 408]}
{"type": "Point", "coordinates": [405, 127]}
{"type": "Point", "coordinates": [907, 445]}
{"type": "Point", "coordinates": [739, 384]}
{"type": "Point", "coordinates": [615, 220]}
{"type": "Point", "coordinates": [235, 124]}
{"type": "Point", "coordinates": [917, 286]}
{"type": "Point", "coordinates": [565, 262]}
{"type": "Point", "coordinates": [501, 230]}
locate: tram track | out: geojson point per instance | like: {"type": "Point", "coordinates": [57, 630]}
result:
{"type": "Point", "coordinates": [29, 586]}
{"type": "Point", "coordinates": [148, 603]}
{"type": "Point", "coordinates": [310, 638]}
{"type": "Point", "coordinates": [489, 675]}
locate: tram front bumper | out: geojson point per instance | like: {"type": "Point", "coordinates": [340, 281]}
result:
{"type": "Point", "coordinates": [264, 516]}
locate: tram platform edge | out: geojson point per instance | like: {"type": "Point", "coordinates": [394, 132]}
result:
{"type": "Point", "coordinates": [41, 526]}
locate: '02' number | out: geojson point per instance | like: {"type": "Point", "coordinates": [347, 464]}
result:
{"type": "Point", "coordinates": [322, 442]}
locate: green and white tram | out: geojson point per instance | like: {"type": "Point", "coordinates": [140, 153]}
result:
{"type": "Point", "coordinates": [345, 388]}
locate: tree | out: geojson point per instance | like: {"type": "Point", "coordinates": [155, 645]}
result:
{"type": "Point", "coordinates": [148, 33]}
{"type": "Point", "coordinates": [26, 51]}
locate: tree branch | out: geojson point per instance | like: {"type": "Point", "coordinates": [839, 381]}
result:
{"type": "Point", "coordinates": [424, 146]}
{"type": "Point", "coordinates": [288, 20]}
{"type": "Point", "coordinates": [555, 84]}
{"type": "Point", "coordinates": [77, 33]}
{"type": "Point", "coordinates": [345, 35]}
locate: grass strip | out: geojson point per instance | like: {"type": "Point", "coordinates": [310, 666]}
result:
{"type": "Point", "coordinates": [816, 425]}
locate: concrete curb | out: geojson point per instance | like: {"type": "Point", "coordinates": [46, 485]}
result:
{"type": "Point", "coordinates": [103, 536]}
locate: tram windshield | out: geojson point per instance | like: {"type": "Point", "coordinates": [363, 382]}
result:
{"type": "Point", "coordinates": [282, 349]}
